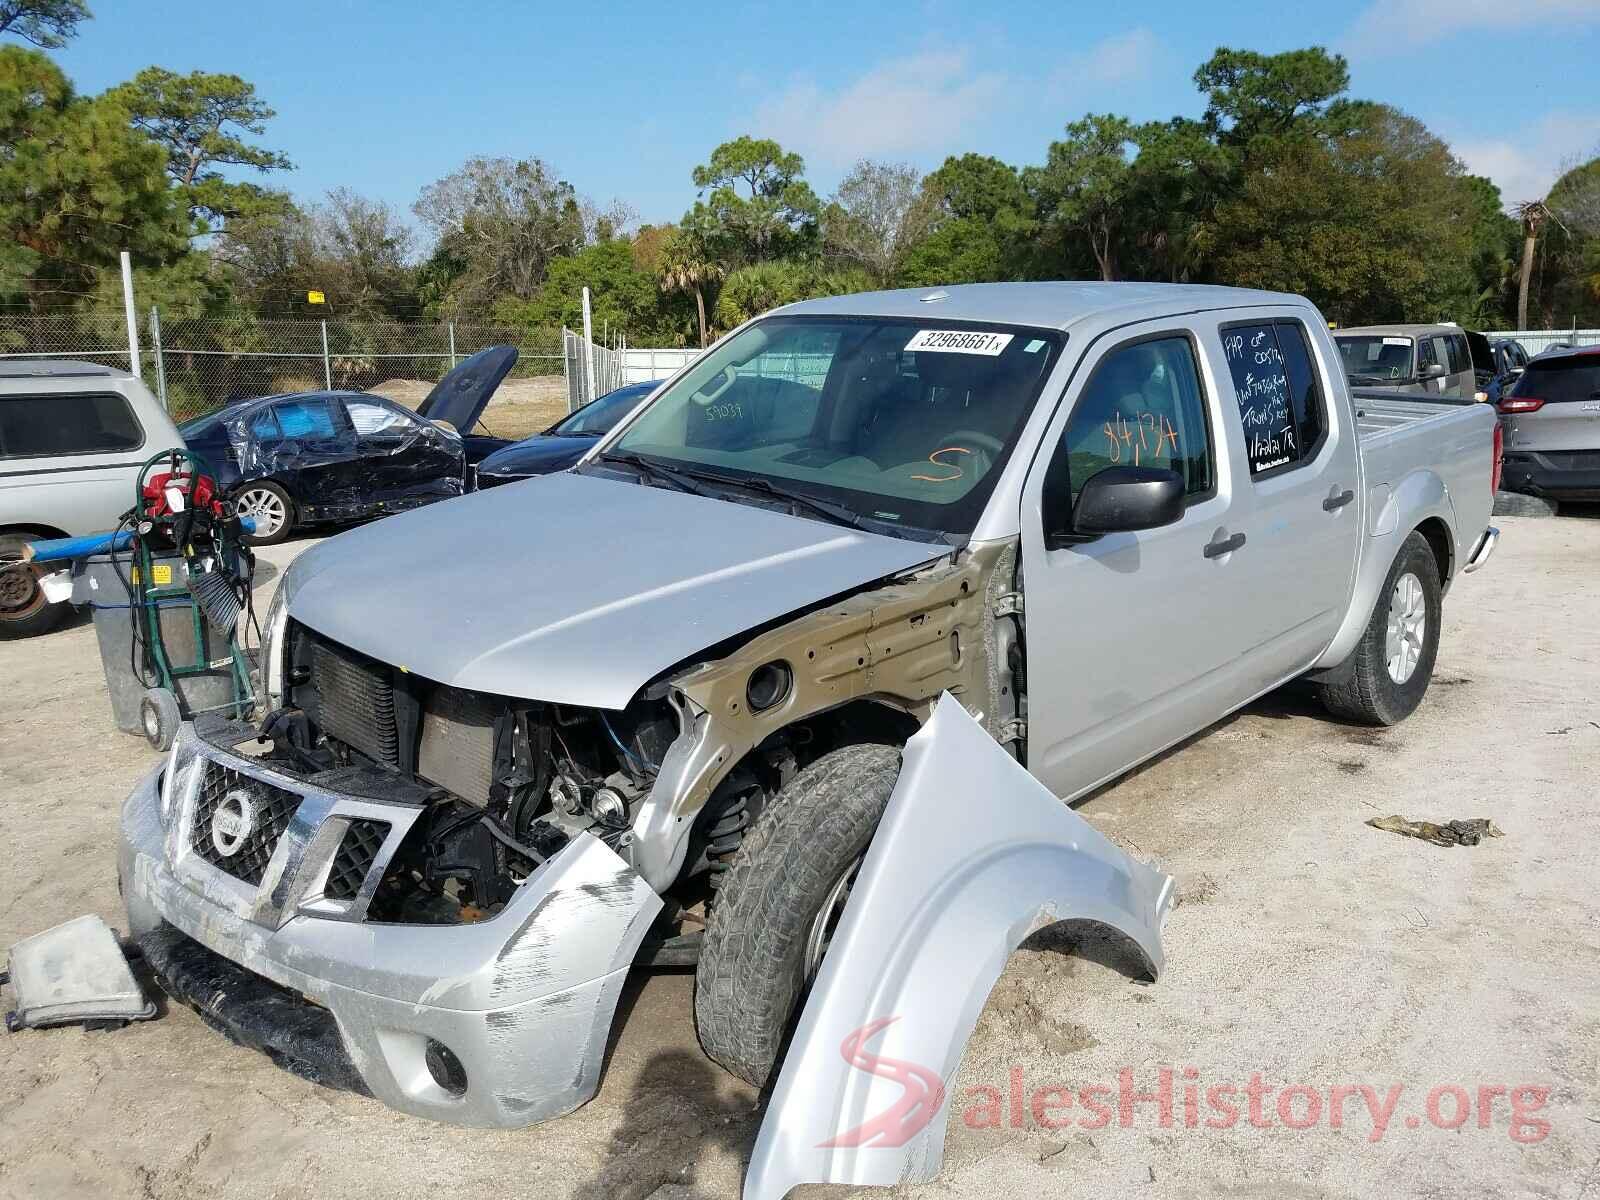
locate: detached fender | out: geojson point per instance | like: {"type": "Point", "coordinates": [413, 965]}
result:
{"type": "Point", "coordinates": [972, 856]}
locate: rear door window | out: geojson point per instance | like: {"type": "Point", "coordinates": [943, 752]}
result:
{"type": "Point", "coordinates": [1279, 397]}
{"type": "Point", "coordinates": [306, 419]}
{"type": "Point", "coordinates": [264, 426]}
{"type": "Point", "coordinates": [1561, 380]}
{"type": "Point", "coordinates": [66, 423]}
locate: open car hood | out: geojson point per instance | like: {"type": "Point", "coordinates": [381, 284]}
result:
{"type": "Point", "coordinates": [575, 589]}
{"type": "Point", "coordinates": [461, 396]}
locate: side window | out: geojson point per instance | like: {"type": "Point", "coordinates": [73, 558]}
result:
{"type": "Point", "coordinates": [375, 418]}
{"type": "Point", "coordinates": [1143, 406]}
{"type": "Point", "coordinates": [306, 419]}
{"type": "Point", "coordinates": [264, 426]}
{"type": "Point", "coordinates": [1426, 357]}
{"type": "Point", "coordinates": [1460, 354]}
{"type": "Point", "coordinates": [67, 424]}
{"type": "Point", "coordinates": [1305, 391]}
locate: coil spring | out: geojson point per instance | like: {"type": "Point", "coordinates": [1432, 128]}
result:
{"type": "Point", "coordinates": [726, 834]}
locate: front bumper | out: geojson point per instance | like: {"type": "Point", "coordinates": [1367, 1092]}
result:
{"type": "Point", "coordinates": [523, 1001]}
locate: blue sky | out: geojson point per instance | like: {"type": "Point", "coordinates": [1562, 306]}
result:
{"type": "Point", "coordinates": [624, 99]}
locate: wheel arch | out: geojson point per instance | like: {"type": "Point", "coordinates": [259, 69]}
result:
{"type": "Point", "coordinates": [35, 529]}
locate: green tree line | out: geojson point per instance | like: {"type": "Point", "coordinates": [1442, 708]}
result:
{"type": "Point", "coordinates": [1285, 182]}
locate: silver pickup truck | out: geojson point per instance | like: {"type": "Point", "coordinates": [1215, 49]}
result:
{"type": "Point", "coordinates": [653, 709]}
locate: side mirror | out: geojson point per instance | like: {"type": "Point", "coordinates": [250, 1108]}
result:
{"type": "Point", "coordinates": [1117, 500]}
{"type": "Point", "coordinates": [1431, 371]}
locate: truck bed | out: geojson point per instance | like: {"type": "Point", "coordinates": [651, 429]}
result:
{"type": "Point", "coordinates": [1452, 439]}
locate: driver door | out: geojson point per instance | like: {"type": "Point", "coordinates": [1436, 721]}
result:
{"type": "Point", "coordinates": [1133, 639]}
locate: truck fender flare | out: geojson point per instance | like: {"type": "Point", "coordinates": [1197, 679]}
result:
{"type": "Point", "coordinates": [1398, 510]}
{"type": "Point", "coordinates": [973, 855]}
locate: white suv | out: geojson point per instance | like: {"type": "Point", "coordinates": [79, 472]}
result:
{"type": "Point", "coordinates": [73, 436]}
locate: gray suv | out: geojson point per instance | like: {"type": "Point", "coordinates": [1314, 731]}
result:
{"type": "Point", "coordinates": [1551, 417]}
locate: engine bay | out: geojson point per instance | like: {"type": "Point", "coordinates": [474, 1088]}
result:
{"type": "Point", "coordinates": [504, 783]}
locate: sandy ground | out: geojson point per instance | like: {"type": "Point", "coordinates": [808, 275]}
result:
{"type": "Point", "coordinates": [1308, 949]}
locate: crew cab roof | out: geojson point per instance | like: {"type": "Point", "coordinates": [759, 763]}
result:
{"type": "Point", "coordinates": [1054, 305]}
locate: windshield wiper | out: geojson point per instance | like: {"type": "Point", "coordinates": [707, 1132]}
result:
{"type": "Point", "coordinates": [826, 509]}
{"type": "Point", "coordinates": [654, 470]}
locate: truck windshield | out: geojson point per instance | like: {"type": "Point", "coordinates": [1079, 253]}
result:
{"type": "Point", "coordinates": [902, 422]}
{"type": "Point", "coordinates": [1373, 359]}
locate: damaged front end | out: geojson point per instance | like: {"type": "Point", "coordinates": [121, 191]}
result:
{"type": "Point", "coordinates": [455, 951]}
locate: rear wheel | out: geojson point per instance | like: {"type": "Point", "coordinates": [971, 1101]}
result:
{"type": "Point", "coordinates": [1393, 662]}
{"type": "Point", "coordinates": [24, 611]}
{"type": "Point", "coordinates": [779, 903]}
{"type": "Point", "coordinates": [271, 509]}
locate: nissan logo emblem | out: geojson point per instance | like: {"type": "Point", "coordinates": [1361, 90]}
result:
{"type": "Point", "coordinates": [232, 822]}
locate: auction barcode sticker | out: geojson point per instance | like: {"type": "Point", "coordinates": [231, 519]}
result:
{"type": "Point", "coordinates": [959, 341]}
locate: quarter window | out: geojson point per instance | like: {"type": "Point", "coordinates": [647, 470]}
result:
{"type": "Point", "coordinates": [1275, 384]}
{"type": "Point", "coordinates": [62, 423]}
{"type": "Point", "coordinates": [1142, 407]}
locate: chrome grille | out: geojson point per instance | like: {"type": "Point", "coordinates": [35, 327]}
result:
{"type": "Point", "coordinates": [271, 810]}
{"type": "Point", "coordinates": [356, 854]}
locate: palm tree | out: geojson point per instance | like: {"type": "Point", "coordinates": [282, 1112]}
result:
{"type": "Point", "coordinates": [1532, 214]}
{"type": "Point", "coordinates": [685, 267]}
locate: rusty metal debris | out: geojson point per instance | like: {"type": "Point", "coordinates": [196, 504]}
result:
{"type": "Point", "coordinates": [1453, 833]}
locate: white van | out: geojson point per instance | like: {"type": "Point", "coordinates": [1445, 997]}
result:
{"type": "Point", "coordinates": [73, 436]}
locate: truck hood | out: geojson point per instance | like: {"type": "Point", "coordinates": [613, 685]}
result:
{"type": "Point", "coordinates": [575, 589]}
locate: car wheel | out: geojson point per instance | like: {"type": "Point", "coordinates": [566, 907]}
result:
{"type": "Point", "coordinates": [1393, 662]}
{"type": "Point", "coordinates": [24, 611]}
{"type": "Point", "coordinates": [779, 902]}
{"type": "Point", "coordinates": [269, 505]}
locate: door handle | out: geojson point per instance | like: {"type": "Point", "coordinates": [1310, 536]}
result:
{"type": "Point", "coordinates": [1223, 546]}
{"type": "Point", "coordinates": [1336, 502]}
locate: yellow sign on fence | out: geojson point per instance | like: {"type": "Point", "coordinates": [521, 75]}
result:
{"type": "Point", "coordinates": [316, 298]}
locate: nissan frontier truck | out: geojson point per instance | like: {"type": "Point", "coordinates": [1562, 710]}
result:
{"type": "Point", "coordinates": [651, 709]}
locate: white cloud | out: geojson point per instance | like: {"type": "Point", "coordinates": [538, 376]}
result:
{"type": "Point", "coordinates": [1121, 59]}
{"type": "Point", "coordinates": [1525, 166]}
{"type": "Point", "coordinates": [932, 103]}
{"type": "Point", "coordinates": [1401, 26]}
{"type": "Point", "coordinates": [923, 104]}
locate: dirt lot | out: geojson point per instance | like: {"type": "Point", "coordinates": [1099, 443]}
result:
{"type": "Point", "coordinates": [1308, 949]}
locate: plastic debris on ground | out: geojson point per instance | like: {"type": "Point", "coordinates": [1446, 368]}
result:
{"type": "Point", "coordinates": [74, 974]}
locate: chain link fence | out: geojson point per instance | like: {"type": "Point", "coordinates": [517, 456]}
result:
{"type": "Point", "coordinates": [198, 364]}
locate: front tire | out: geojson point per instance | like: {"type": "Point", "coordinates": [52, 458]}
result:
{"type": "Point", "coordinates": [272, 509]}
{"type": "Point", "coordinates": [779, 901]}
{"type": "Point", "coordinates": [1393, 662]}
